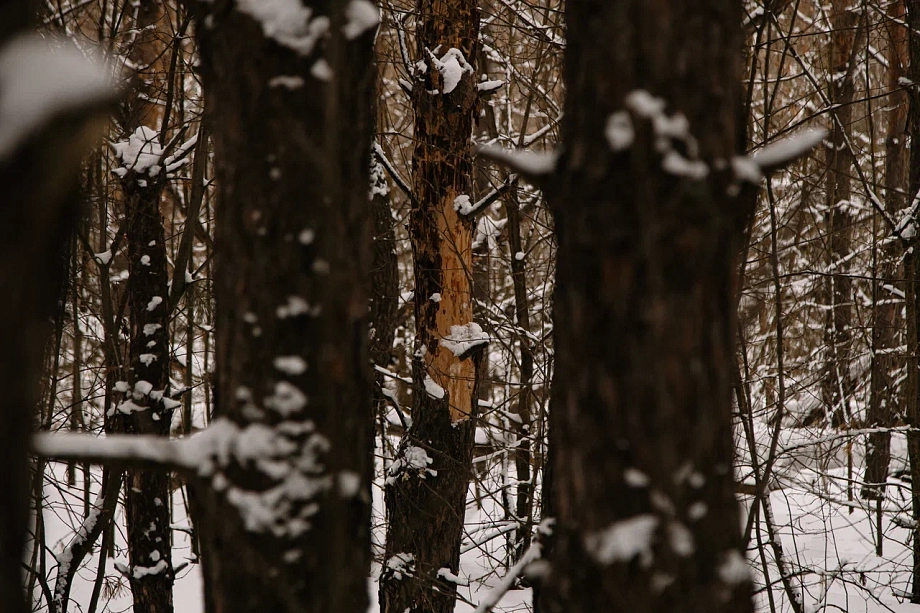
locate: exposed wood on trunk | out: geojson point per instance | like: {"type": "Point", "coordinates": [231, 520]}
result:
{"type": "Point", "coordinates": [426, 490]}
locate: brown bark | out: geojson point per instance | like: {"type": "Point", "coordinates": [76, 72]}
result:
{"type": "Point", "coordinates": [912, 291]}
{"type": "Point", "coordinates": [292, 281]}
{"type": "Point", "coordinates": [643, 312]}
{"type": "Point", "coordinates": [887, 322]}
{"type": "Point", "coordinates": [425, 504]}
{"type": "Point", "coordinates": [145, 406]}
{"type": "Point", "coordinates": [837, 383]}
{"type": "Point", "coordinates": [39, 177]}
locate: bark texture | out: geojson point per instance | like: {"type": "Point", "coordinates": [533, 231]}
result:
{"type": "Point", "coordinates": [912, 290]}
{"type": "Point", "coordinates": [288, 529]}
{"type": "Point", "coordinates": [884, 397]}
{"type": "Point", "coordinates": [649, 218]}
{"type": "Point", "coordinates": [838, 384]}
{"type": "Point", "coordinates": [427, 486]}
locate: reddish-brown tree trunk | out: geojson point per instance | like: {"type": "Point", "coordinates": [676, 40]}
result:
{"type": "Point", "coordinates": [427, 486]}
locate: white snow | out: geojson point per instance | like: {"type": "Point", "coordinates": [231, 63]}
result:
{"type": "Point", "coordinates": [154, 303]}
{"type": "Point", "coordinates": [746, 169]}
{"type": "Point", "coordinates": [151, 329]}
{"type": "Point", "coordinates": [734, 569]}
{"type": "Point", "coordinates": [142, 388]}
{"type": "Point", "coordinates": [681, 539]}
{"type": "Point", "coordinates": [433, 389]}
{"type": "Point", "coordinates": [447, 575]}
{"type": "Point", "coordinates": [349, 483]}
{"type": "Point", "coordinates": [644, 104]}
{"type": "Point", "coordinates": [140, 152]}
{"type": "Point", "coordinates": [290, 364]}
{"type": "Point", "coordinates": [362, 16]}
{"type": "Point", "coordinates": [306, 236]}
{"type": "Point", "coordinates": [287, 399]}
{"type": "Point", "coordinates": [39, 81]}
{"type": "Point", "coordinates": [294, 306]}
{"type": "Point", "coordinates": [414, 459]}
{"type": "Point", "coordinates": [104, 258]}
{"type": "Point", "coordinates": [145, 260]}
{"type": "Point", "coordinates": [676, 164]}
{"type": "Point", "coordinates": [321, 70]}
{"type": "Point", "coordinates": [452, 66]}
{"type": "Point", "coordinates": [286, 81]}
{"type": "Point", "coordinates": [623, 540]}
{"type": "Point", "coordinates": [400, 565]}
{"type": "Point", "coordinates": [140, 572]}
{"type": "Point", "coordinates": [288, 22]}
{"type": "Point", "coordinates": [463, 205]}
{"type": "Point", "coordinates": [788, 149]}
{"type": "Point", "coordinates": [619, 131]}
{"type": "Point", "coordinates": [697, 511]}
{"type": "Point", "coordinates": [635, 478]}
{"type": "Point", "coordinates": [527, 163]}
{"type": "Point", "coordinates": [436, 297]}
{"type": "Point", "coordinates": [489, 86]}
{"type": "Point", "coordinates": [464, 338]}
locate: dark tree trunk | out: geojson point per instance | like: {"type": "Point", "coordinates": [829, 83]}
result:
{"type": "Point", "coordinates": [146, 406]}
{"type": "Point", "coordinates": [912, 291]}
{"type": "Point", "coordinates": [837, 383]}
{"type": "Point", "coordinates": [39, 177]}
{"type": "Point", "coordinates": [291, 531]}
{"type": "Point", "coordinates": [427, 486]}
{"type": "Point", "coordinates": [649, 219]}
{"type": "Point", "coordinates": [887, 319]}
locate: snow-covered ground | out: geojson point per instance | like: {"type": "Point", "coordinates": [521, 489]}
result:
{"type": "Point", "coordinates": [829, 542]}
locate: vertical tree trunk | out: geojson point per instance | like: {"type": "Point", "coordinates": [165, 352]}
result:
{"type": "Point", "coordinates": [838, 383]}
{"type": "Point", "coordinates": [427, 485]}
{"type": "Point", "coordinates": [288, 523]}
{"type": "Point", "coordinates": [911, 244]}
{"type": "Point", "coordinates": [39, 172]}
{"type": "Point", "coordinates": [887, 314]}
{"type": "Point", "coordinates": [648, 219]}
{"type": "Point", "coordinates": [145, 406]}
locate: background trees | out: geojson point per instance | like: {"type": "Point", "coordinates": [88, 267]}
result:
{"type": "Point", "coordinates": [820, 393]}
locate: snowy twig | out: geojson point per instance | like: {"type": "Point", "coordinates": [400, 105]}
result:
{"type": "Point", "coordinates": [394, 174]}
{"type": "Point", "coordinates": [533, 553]}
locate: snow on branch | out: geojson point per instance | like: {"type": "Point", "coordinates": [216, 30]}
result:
{"type": "Point", "coordinates": [782, 153]}
{"type": "Point", "coordinates": [39, 83]}
{"type": "Point", "coordinates": [533, 166]}
{"type": "Point", "coordinates": [143, 451]}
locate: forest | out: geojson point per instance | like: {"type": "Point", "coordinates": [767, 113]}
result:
{"type": "Point", "coordinates": [435, 306]}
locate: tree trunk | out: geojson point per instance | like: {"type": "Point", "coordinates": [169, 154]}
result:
{"type": "Point", "coordinates": [427, 485]}
{"type": "Point", "coordinates": [288, 529]}
{"type": "Point", "coordinates": [883, 398]}
{"type": "Point", "coordinates": [649, 219]}
{"type": "Point", "coordinates": [39, 173]}
{"type": "Point", "coordinates": [145, 406]}
{"type": "Point", "coordinates": [838, 384]}
{"type": "Point", "coordinates": [912, 291]}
